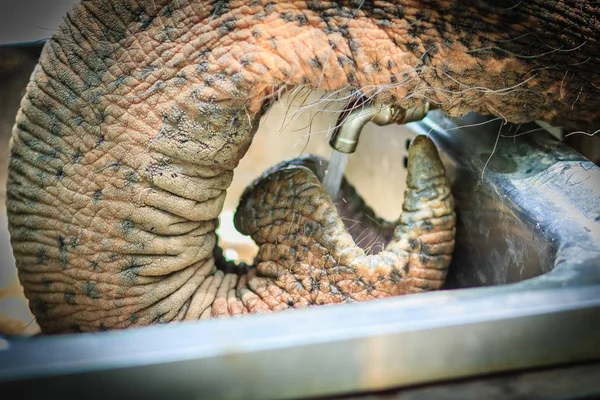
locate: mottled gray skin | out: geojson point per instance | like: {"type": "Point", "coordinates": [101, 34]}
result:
{"type": "Point", "coordinates": [139, 111]}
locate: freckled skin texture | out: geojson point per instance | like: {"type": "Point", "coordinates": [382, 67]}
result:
{"type": "Point", "coordinates": [139, 111]}
{"type": "Point", "coordinates": [306, 256]}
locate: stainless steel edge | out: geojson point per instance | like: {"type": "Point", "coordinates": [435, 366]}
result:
{"type": "Point", "coordinates": [554, 190]}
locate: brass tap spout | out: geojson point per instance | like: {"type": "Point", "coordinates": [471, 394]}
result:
{"type": "Point", "coordinates": [351, 122]}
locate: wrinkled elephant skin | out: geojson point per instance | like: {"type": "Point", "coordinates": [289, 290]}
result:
{"type": "Point", "coordinates": [139, 111]}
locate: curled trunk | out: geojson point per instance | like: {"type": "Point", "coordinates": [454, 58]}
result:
{"type": "Point", "coordinates": [139, 111]}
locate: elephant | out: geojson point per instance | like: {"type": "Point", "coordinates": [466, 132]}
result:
{"type": "Point", "coordinates": [139, 111]}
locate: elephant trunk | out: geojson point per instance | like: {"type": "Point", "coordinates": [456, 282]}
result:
{"type": "Point", "coordinates": [139, 111]}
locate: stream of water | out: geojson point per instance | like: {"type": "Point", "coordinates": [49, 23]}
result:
{"type": "Point", "coordinates": [334, 173]}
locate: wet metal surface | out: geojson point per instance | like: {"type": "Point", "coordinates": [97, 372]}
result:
{"type": "Point", "coordinates": [532, 217]}
{"type": "Point", "coordinates": [530, 208]}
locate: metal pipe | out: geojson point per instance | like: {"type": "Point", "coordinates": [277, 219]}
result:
{"type": "Point", "coordinates": [350, 124]}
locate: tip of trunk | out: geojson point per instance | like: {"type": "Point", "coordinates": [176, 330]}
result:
{"type": "Point", "coordinates": [423, 162]}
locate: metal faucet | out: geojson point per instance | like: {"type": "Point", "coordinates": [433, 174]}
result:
{"type": "Point", "coordinates": [350, 124]}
